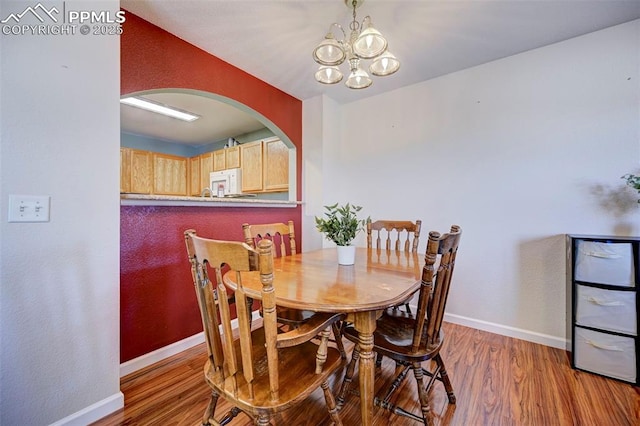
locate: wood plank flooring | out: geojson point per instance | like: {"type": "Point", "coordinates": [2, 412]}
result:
{"type": "Point", "coordinates": [497, 381]}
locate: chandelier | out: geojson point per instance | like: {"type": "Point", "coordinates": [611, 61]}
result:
{"type": "Point", "coordinates": [365, 42]}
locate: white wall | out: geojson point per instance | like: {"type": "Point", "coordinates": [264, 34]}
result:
{"type": "Point", "coordinates": [518, 152]}
{"type": "Point", "coordinates": [59, 296]}
{"type": "Point", "coordinates": [321, 127]}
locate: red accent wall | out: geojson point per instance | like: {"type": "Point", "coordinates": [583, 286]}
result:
{"type": "Point", "coordinates": [157, 300]}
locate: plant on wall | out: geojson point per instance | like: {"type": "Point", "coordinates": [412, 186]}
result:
{"type": "Point", "coordinates": [633, 181]}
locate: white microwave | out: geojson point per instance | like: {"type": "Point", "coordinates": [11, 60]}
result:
{"type": "Point", "coordinates": [226, 182]}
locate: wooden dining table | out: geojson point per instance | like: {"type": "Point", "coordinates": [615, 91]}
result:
{"type": "Point", "coordinates": [315, 281]}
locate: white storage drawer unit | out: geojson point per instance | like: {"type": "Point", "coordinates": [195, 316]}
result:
{"type": "Point", "coordinates": [602, 281]}
{"type": "Point", "coordinates": [607, 354]}
{"type": "Point", "coordinates": [604, 263]}
{"type": "Point", "coordinates": [606, 309]}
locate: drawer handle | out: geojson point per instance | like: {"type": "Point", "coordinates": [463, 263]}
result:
{"type": "Point", "coordinates": [605, 347]}
{"type": "Point", "coordinates": [603, 302]}
{"type": "Point", "coordinates": [603, 255]}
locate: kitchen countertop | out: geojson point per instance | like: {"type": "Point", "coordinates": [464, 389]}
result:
{"type": "Point", "coordinates": [179, 200]}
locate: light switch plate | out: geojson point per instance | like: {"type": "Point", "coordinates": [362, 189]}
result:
{"type": "Point", "coordinates": [29, 208]}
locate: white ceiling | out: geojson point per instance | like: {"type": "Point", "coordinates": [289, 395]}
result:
{"type": "Point", "coordinates": [218, 120]}
{"type": "Point", "coordinates": [273, 40]}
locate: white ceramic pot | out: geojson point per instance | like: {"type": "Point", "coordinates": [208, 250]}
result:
{"type": "Point", "coordinates": [346, 255]}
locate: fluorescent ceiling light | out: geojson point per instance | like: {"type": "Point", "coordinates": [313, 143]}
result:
{"type": "Point", "coordinates": [160, 109]}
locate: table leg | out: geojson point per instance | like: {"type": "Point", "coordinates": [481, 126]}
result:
{"type": "Point", "coordinates": [365, 324]}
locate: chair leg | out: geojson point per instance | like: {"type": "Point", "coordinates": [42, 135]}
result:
{"type": "Point", "coordinates": [422, 393]}
{"type": "Point", "coordinates": [445, 379]}
{"type": "Point", "coordinates": [348, 376]}
{"type": "Point", "coordinates": [398, 411]}
{"type": "Point", "coordinates": [229, 416]}
{"type": "Point", "coordinates": [396, 382]}
{"type": "Point", "coordinates": [211, 408]}
{"type": "Point", "coordinates": [337, 334]}
{"type": "Point", "coordinates": [331, 404]}
{"type": "Point", "coordinates": [385, 403]}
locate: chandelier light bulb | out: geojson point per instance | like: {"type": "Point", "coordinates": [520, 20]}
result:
{"type": "Point", "coordinates": [370, 43]}
{"type": "Point", "coordinates": [358, 79]}
{"type": "Point", "coordinates": [329, 52]}
{"type": "Point", "coordinates": [385, 64]}
{"type": "Point", "coordinates": [328, 75]}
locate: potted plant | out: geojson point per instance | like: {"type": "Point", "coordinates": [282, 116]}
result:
{"type": "Point", "coordinates": [341, 225]}
{"type": "Point", "coordinates": [632, 181]}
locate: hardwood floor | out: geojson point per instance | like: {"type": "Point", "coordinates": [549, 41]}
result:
{"type": "Point", "coordinates": [497, 381]}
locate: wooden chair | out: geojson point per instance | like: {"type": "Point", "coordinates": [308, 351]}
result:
{"type": "Point", "coordinates": [260, 372]}
{"type": "Point", "coordinates": [412, 339]}
{"type": "Point", "coordinates": [284, 244]}
{"type": "Point", "coordinates": [399, 235]}
{"type": "Point", "coordinates": [283, 236]}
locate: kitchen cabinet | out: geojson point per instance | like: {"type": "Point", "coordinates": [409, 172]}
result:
{"type": "Point", "coordinates": [265, 166]}
{"type": "Point", "coordinates": [140, 166]}
{"type": "Point", "coordinates": [169, 174]}
{"type": "Point", "coordinates": [146, 172]}
{"type": "Point", "coordinates": [219, 160]}
{"type": "Point", "coordinates": [251, 164]}
{"type": "Point", "coordinates": [206, 167]}
{"type": "Point", "coordinates": [194, 176]}
{"type": "Point", "coordinates": [226, 158]}
{"type": "Point", "coordinates": [125, 170]}
{"type": "Point", "coordinates": [602, 282]}
{"type": "Point", "coordinates": [232, 157]}
{"type": "Point", "coordinates": [275, 165]}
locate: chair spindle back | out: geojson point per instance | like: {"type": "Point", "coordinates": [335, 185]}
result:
{"type": "Point", "coordinates": [282, 235]}
{"type": "Point", "coordinates": [433, 294]}
{"type": "Point", "coordinates": [396, 234]}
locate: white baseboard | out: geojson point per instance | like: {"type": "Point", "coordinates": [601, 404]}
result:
{"type": "Point", "coordinates": [169, 350]}
{"type": "Point", "coordinates": [160, 354]}
{"type": "Point", "coordinates": [518, 333]}
{"type": "Point", "coordinates": [93, 412]}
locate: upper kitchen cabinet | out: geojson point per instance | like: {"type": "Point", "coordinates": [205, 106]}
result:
{"type": "Point", "coordinates": [226, 158]}
{"type": "Point", "coordinates": [125, 170]}
{"type": "Point", "coordinates": [219, 160]}
{"type": "Point", "coordinates": [251, 164]}
{"type": "Point", "coordinates": [206, 167]}
{"type": "Point", "coordinates": [265, 166]}
{"type": "Point", "coordinates": [136, 171]}
{"type": "Point", "coordinates": [232, 156]}
{"type": "Point", "coordinates": [170, 174]}
{"type": "Point", "coordinates": [194, 176]}
{"type": "Point", "coordinates": [275, 165]}
{"type": "Point", "coordinates": [145, 172]}
{"type": "Point", "coordinates": [141, 172]}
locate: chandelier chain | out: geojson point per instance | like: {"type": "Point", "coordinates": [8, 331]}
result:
{"type": "Point", "coordinates": [354, 25]}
